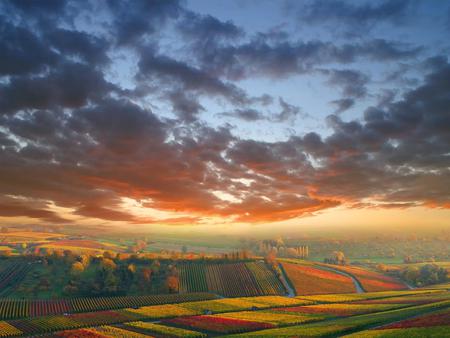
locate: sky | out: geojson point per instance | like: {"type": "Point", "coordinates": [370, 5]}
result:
{"type": "Point", "coordinates": [225, 115]}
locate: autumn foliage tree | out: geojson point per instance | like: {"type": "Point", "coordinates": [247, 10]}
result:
{"type": "Point", "coordinates": [173, 280]}
{"type": "Point", "coordinates": [337, 257]}
{"type": "Point", "coordinates": [172, 283]}
{"type": "Point", "coordinates": [77, 268]}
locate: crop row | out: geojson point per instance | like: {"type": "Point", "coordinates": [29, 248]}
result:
{"type": "Point", "coordinates": [151, 328]}
{"type": "Point", "coordinates": [373, 281]}
{"type": "Point", "coordinates": [350, 324]}
{"type": "Point", "coordinates": [272, 317]}
{"type": "Point", "coordinates": [340, 310]}
{"type": "Point", "coordinates": [17, 308]}
{"type": "Point", "coordinates": [265, 278]}
{"type": "Point", "coordinates": [268, 315]}
{"type": "Point", "coordinates": [344, 298]}
{"type": "Point", "coordinates": [46, 324]}
{"type": "Point", "coordinates": [215, 306]}
{"type": "Point", "coordinates": [218, 324]}
{"type": "Point", "coordinates": [309, 280]}
{"type": "Point", "coordinates": [7, 330]}
{"type": "Point", "coordinates": [231, 280]}
{"type": "Point", "coordinates": [11, 276]}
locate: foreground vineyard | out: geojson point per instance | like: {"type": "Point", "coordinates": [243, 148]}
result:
{"type": "Point", "coordinates": [374, 314]}
{"type": "Point", "coordinates": [231, 280]}
{"type": "Point", "coordinates": [12, 308]}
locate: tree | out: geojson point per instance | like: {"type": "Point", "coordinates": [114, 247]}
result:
{"type": "Point", "coordinates": [146, 274]}
{"type": "Point", "coordinates": [155, 267]}
{"type": "Point", "coordinates": [108, 254]}
{"type": "Point", "coordinates": [77, 268]}
{"type": "Point", "coordinates": [85, 260]}
{"type": "Point", "coordinates": [132, 268]}
{"type": "Point", "coordinates": [172, 283]}
{"type": "Point", "coordinates": [108, 264]}
{"type": "Point", "coordinates": [184, 249]}
{"type": "Point", "coordinates": [271, 258]}
{"type": "Point", "coordinates": [337, 257]}
{"type": "Point", "coordinates": [425, 275]}
{"type": "Point", "coordinates": [110, 283]}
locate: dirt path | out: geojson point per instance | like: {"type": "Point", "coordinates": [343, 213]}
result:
{"type": "Point", "coordinates": [283, 279]}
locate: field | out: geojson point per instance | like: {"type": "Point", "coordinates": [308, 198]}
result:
{"type": "Point", "coordinates": [81, 246]}
{"type": "Point", "coordinates": [230, 279]}
{"type": "Point", "coordinates": [17, 308]}
{"type": "Point", "coordinates": [241, 298]}
{"type": "Point", "coordinates": [11, 274]}
{"type": "Point", "coordinates": [151, 328]}
{"type": "Point", "coordinates": [372, 281]}
{"type": "Point", "coordinates": [311, 280]}
{"type": "Point", "coordinates": [19, 237]}
{"type": "Point", "coordinates": [374, 314]}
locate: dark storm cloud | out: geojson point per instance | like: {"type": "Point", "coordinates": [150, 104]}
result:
{"type": "Point", "coordinates": [71, 138]}
{"type": "Point", "coordinates": [23, 210]}
{"type": "Point", "coordinates": [248, 115]}
{"type": "Point", "coordinates": [174, 73]}
{"type": "Point", "coordinates": [352, 83]}
{"type": "Point", "coordinates": [136, 19]}
{"type": "Point", "coordinates": [89, 48]}
{"type": "Point", "coordinates": [448, 18]}
{"type": "Point", "coordinates": [44, 12]}
{"type": "Point", "coordinates": [354, 14]}
{"type": "Point", "coordinates": [342, 105]}
{"type": "Point", "coordinates": [68, 85]}
{"type": "Point", "coordinates": [119, 126]}
{"type": "Point", "coordinates": [205, 28]}
{"type": "Point", "coordinates": [288, 111]}
{"type": "Point", "coordinates": [260, 57]}
{"type": "Point", "coordinates": [185, 106]}
{"type": "Point", "coordinates": [22, 52]}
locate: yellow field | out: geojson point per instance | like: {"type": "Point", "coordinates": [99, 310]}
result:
{"type": "Point", "coordinates": [163, 311]}
{"type": "Point", "coordinates": [32, 234]}
{"type": "Point", "coordinates": [82, 246]}
{"type": "Point", "coordinates": [74, 249]}
{"type": "Point", "coordinates": [18, 237]}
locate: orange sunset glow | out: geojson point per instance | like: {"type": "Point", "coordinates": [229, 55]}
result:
{"type": "Point", "coordinates": [112, 125]}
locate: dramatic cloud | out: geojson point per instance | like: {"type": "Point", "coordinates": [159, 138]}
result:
{"type": "Point", "coordinates": [356, 15]}
{"type": "Point", "coordinates": [118, 111]}
{"type": "Point", "coordinates": [342, 105]}
{"type": "Point", "coordinates": [260, 57]}
{"type": "Point", "coordinates": [245, 114]}
{"type": "Point", "coordinates": [352, 82]}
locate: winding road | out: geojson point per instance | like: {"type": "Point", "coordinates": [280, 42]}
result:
{"type": "Point", "coordinates": [286, 284]}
